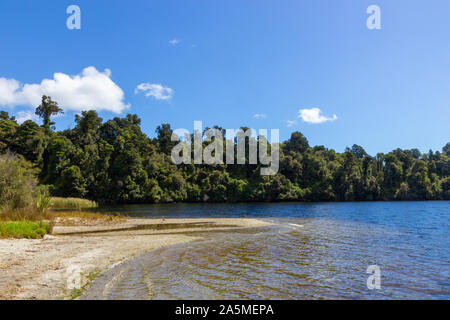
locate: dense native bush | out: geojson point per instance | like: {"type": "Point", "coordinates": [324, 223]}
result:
{"type": "Point", "coordinates": [114, 161]}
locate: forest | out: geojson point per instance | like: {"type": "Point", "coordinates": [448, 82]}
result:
{"type": "Point", "coordinates": [115, 162]}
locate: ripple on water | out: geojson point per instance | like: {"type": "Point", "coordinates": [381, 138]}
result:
{"type": "Point", "coordinates": [316, 251]}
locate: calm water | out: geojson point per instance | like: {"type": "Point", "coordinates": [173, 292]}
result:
{"type": "Point", "coordinates": [312, 251]}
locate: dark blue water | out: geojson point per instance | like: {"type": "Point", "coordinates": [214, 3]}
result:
{"type": "Point", "coordinates": [312, 251]}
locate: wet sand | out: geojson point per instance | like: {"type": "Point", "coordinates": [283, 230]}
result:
{"type": "Point", "coordinates": [58, 266]}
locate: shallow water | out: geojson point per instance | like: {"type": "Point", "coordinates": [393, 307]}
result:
{"type": "Point", "coordinates": [312, 251]}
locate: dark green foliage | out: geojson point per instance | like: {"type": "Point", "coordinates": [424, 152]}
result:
{"type": "Point", "coordinates": [297, 143]}
{"type": "Point", "coordinates": [30, 141]}
{"type": "Point", "coordinates": [114, 161]}
{"type": "Point", "coordinates": [8, 129]}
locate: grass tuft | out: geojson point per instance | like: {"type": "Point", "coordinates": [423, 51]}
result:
{"type": "Point", "coordinates": [23, 229]}
{"type": "Point", "coordinates": [71, 203]}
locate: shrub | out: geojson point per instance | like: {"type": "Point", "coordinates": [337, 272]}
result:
{"type": "Point", "coordinates": [17, 184]}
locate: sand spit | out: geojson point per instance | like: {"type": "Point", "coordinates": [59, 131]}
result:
{"type": "Point", "coordinates": [57, 266]}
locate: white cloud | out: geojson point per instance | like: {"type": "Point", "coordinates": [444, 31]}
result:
{"type": "Point", "coordinates": [157, 91]}
{"type": "Point", "coordinates": [174, 42]}
{"type": "Point", "coordinates": [259, 116]}
{"type": "Point", "coordinates": [8, 87]}
{"type": "Point", "coordinates": [291, 123]}
{"type": "Point", "coordinates": [23, 116]}
{"type": "Point", "coordinates": [314, 115]}
{"type": "Point", "coordinates": [91, 89]}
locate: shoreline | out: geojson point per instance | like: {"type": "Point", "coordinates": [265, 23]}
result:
{"type": "Point", "coordinates": [60, 266]}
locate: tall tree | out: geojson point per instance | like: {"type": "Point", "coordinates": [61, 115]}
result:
{"type": "Point", "coordinates": [46, 110]}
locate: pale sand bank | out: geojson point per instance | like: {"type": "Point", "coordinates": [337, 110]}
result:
{"type": "Point", "coordinates": [39, 269]}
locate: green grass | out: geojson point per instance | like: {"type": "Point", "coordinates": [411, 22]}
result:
{"type": "Point", "coordinates": [70, 203]}
{"type": "Point", "coordinates": [23, 229]}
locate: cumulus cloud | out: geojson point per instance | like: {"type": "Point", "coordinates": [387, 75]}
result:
{"type": "Point", "coordinates": [291, 123]}
{"type": "Point", "coordinates": [8, 88]}
{"type": "Point", "coordinates": [23, 116]}
{"type": "Point", "coordinates": [157, 91]}
{"type": "Point", "coordinates": [259, 116]}
{"type": "Point", "coordinates": [314, 115]}
{"type": "Point", "coordinates": [174, 42]}
{"type": "Point", "coordinates": [91, 89]}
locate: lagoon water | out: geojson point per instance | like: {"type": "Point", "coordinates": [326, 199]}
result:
{"type": "Point", "coordinates": [312, 251]}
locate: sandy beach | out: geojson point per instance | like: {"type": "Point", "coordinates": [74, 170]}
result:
{"type": "Point", "coordinates": [61, 265]}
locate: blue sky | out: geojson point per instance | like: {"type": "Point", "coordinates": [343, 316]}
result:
{"type": "Point", "coordinates": [232, 60]}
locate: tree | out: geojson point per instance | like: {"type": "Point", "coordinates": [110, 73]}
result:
{"type": "Point", "coordinates": [358, 151]}
{"type": "Point", "coordinates": [46, 110]}
{"type": "Point", "coordinates": [8, 129]}
{"type": "Point", "coordinates": [165, 144]}
{"type": "Point", "coordinates": [446, 188]}
{"type": "Point", "coordinates": [419, 182]}
{"type": "Point", "coordinates": [446, 149]}
{"type": "Point", "coordinates": [30, 142]}
{"type": "Point", "coordinates": [71, 183]}
{"type": "Point", "coordinates": [114, 161]}
{"type": "Point", "coordinates": [416, 153]}
{"type": "Point", "coordinates": [297, 143]}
